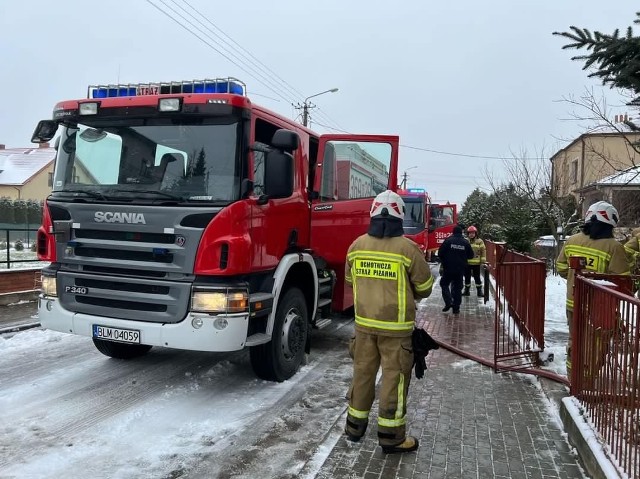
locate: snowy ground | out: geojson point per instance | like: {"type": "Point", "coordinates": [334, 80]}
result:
{"type": "Point", "coordinates": [556, 330]}
{"type": "Point", "coordinates": [68, 411]}
{"type": "Point", "coordinates": [17, 259]}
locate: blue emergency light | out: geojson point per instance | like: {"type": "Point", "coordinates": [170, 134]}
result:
{"type": "Point", "coordinates": [217, 85]}
{"type": "Point", "coordinates": [417, 190]}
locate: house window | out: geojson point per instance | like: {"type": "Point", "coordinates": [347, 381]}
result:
{"type": "Point", "coordinates": [573, 174]}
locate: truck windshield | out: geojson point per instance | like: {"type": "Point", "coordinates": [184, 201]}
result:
{"type": "Point", "coordinates": [413, 216]}
{"type": "Point", "coordinates": [179, 159]}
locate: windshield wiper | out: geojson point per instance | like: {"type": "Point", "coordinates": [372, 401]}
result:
{"type": "Point", "coordinates": [151, 192]}
{"type": "Point", "coordinates": [91, 193]}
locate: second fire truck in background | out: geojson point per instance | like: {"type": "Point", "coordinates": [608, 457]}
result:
{"type": "Point", "coordinates": [427, 223]}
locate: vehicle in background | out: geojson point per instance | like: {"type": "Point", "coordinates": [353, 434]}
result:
{"type": "Point", "coordinates": [425, 222]}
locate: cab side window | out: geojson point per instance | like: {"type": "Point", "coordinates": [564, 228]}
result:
{"type": "Point", "coordinates": [352, 169]}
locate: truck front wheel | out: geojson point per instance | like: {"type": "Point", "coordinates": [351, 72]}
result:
{"type": "Point", "coordinates": [121, 350]}
{"type": "Point", "coordinates": [280, 358]}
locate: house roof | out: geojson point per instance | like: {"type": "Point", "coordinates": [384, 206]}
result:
{"type": "Point", "coordinates": [602, 130]}
{"type": "Point", "coordinates": [628, 177]}
{"type": "Point", "coordinates": [19, 165]}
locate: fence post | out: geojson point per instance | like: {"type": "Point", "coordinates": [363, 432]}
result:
{"type": "Point", "coordinates": [8, 254]}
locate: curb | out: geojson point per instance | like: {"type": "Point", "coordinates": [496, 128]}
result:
{"type": "Point", "coordinates": [595, 461]}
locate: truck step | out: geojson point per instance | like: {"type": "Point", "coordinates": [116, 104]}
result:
{"type": "Point", "coordinates": [322, 323]}
{"type": "Point", "coordinates": [257, 338]}
{"type": "Point", "coordinates": [323, 302]}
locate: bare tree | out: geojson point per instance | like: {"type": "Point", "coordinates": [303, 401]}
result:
{"type": "Point", "coordinates": [531, 178]}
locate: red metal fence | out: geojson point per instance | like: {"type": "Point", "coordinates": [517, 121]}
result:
{"type": "Point", "coordinates": [520, 303]}
{"type": "Point", "coordinates": [605, 373]}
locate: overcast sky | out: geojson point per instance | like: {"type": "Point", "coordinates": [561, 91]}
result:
{"type": "Point", "coordinates": [469, 77]}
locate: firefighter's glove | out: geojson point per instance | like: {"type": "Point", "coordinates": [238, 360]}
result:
{"type": "Point", "coordinates": [422, 343]}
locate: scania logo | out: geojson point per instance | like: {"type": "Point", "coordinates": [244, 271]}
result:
{"type": "Point", "coordinates": [116, 217]}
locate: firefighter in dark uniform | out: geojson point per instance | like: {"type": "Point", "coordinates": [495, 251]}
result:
{"type": "Point", "coordinates": [602, 252]}
{"type": "Point", "coordinates": [454, 252]}
{"type": "Point", "coordinates": [388, 273]}
{"type": "Point", "coordinates": [473, 264]}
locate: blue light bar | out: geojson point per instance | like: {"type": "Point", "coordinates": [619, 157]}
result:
{"type": "Point", "coordinates": [229, 85]}
{"type": "Point", "coordinates": [417, 190]}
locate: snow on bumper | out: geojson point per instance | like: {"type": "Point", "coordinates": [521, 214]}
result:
{"type": "Point", "coordinates": [182, 335]}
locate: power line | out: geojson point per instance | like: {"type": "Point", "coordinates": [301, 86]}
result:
{"type": "Point", "coordinates": [260, 71]}
{"type": "Point", "coordinates": [212, 46]}
{"type": "Point", "coordinates": [449, 153]}
{"type": "Point", "coordinates": [428, 150]}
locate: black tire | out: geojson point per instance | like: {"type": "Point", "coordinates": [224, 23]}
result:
{"type": "Point", "coordinates": [121, 350]}
{"type": "Point", "coordinates": [280, 358]}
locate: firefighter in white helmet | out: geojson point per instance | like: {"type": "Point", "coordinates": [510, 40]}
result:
{"type": "Point", "coordinates": [603, 254]}
{"type": "Point", "coordinates": [388, 273]}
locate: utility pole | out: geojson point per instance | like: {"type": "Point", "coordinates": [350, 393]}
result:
{"type": "Point", "coordinates": [306, 105]}
{"type": "Point", "coordinates": [404, 181]}
{"type": "Point", "coordinates": [405, 176]}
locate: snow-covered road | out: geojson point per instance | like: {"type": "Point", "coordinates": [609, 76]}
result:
{"type": "Point", "coordinates": [68, 411]}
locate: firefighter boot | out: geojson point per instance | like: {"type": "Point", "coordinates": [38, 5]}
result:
{"type": "Point", "coordinates": [410, 444]}
{"type": "Point", "coordinates": [480, 291]}
{"type": "Point", "coordinates": [466, 291]}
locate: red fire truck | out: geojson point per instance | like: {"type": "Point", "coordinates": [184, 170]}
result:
{"type": "Point", "coordinates": [183, 215]}
{"type": "Point", "coordinates": [425, 222]}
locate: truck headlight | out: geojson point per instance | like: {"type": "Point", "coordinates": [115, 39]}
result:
{"type": "Point", "coordinates": [219, 301]}
{"type": "Point", "coordinates": [49, 286]}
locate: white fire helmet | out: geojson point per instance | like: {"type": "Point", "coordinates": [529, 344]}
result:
{"type": "Point", "coordinates": [390, 201]}
{"type": "Point", "coordinates": [604, 212]}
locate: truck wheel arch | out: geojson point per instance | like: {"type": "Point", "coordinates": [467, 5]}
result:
{"type": "Point", "coordinates": [297, 270]}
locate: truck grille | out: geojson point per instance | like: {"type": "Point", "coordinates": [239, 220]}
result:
{"type": "Point", "coordinates": [124, 255]}
{"type": "Point", "coordinates": [138, 299]}
{"type": "Point", "coordinates": [141, 237]}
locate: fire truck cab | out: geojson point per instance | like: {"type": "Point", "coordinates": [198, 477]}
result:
{"type": "Point", "coordinates": [185, 216]}
{"type": "Point", "coordinates": [425, 222]}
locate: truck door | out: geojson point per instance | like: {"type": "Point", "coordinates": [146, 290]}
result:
{"type": "Point", "coordinates": [351, 170]}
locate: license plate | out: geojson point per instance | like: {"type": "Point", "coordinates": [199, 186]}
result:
{"type": "Point", "coordinates": [130, 336]}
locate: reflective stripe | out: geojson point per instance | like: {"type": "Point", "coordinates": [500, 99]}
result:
{"type": "Point", "coordinates": [428, 284]}
{"type": "Point", "coordinates": [358, 414]}
{"type": "Point", "coordinates": [388, 325]}
{"type": "Point", "coordinates": [379, 255]}
{"type": "Point", "coordinates": [473, 261]}
{"type": "Point", "coordinates": [402, 298]}
{"type": "Point", "coordinates": [384, 422]}
{"type": "Point", "coordinates": [562, 266]}
{"type": "Point", "coordinates": [570, 304]}
{"type": "Point", "coordinates": [400, 408]}
{"type": "Point", "coordinates": [590, 253]}
{"type": "Point", "coordinates": [347, 278]}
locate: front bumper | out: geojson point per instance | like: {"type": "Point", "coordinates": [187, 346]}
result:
{"type": "Point", "coordinates": [180, 335]}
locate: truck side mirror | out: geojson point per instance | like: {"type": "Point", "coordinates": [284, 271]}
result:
{"type": "Point", "coordinates": [285, 140]}
{"type": "Point", "coordinates": [278, 174]}
{"type": "Point", "coordinates": [45, 130]}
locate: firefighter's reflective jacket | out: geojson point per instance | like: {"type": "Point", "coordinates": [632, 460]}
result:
{"type": "Point", "coordinates": [632, 248]}
{"type": "Point", "coordinates": [479, 251]}
{"type": "Point", "coordinates": [387, 276]}
{"type": "Point", "coordinates": [604, 255]}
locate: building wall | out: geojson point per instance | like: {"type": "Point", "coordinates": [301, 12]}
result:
{"type": "Point", "coordinates": [590, 159]}
{"type": "Point", "coordinates": [563, 162]}
{"type": "Point", "coordinates": [35, 189]}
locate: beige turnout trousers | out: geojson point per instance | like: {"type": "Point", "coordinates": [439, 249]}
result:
{"type": "Point", "coordinates": [395, 355]}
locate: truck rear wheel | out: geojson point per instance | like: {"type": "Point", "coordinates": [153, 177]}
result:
{"type": "Point", "coordinates": [280, 358]}
{"type": "Point", "coordinates": [121, 350]}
